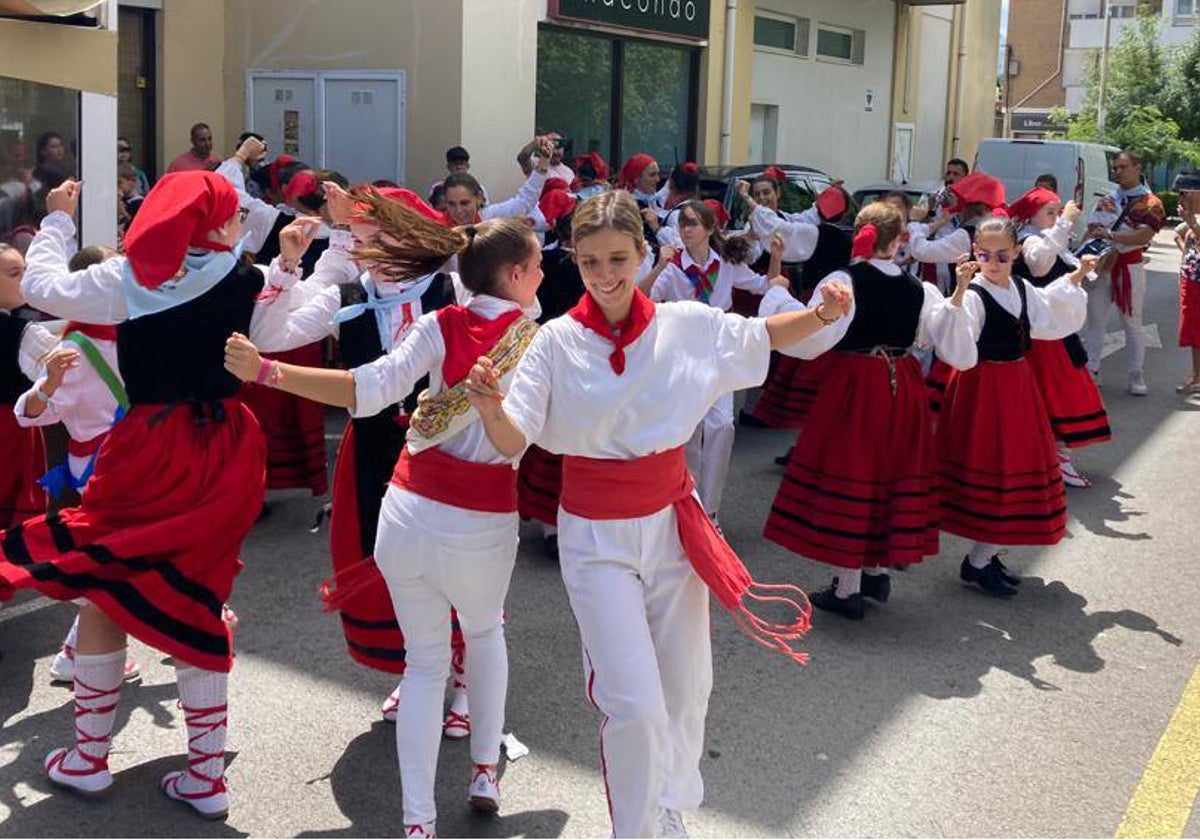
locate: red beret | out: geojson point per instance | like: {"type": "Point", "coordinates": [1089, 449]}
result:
{"type": "Point", "coordinates": [632, 169]}
{"type": "Point", "coordinates": [978, 188]}
{"type": "Point", "coordinates": [1028, 205]}
{"type": "Point", "coordinates": [556, 204]}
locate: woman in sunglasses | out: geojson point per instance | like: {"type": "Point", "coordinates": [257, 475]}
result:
{"type": "Point", "coordinates": [997, 467]}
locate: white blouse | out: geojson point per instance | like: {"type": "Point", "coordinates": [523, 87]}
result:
{"type": "Point", "coordinates": [799, 236]}
{"type": "Point", "coordinates": [943, 326]}
{"type": "Point", "coordinates": [1055, 312]}
{"type": "Point", "coordinates": [946, 248]}
{"type": "Point", "coordinates": [390, 378]}
{"type": "Point", "coordinates": [1041, 247]}
{"type": "Point", "coordinates": [567, 399]}
{"type": "Point", "coordinates": [95, 295]}
{"type": "Point", "coordinates": [673, 284]}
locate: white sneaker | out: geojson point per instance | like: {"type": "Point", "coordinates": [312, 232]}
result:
{"type": "Point", "coordinates": [1070, 475]}
{"type": "Point", "coordinates": [670, 823]}
{"type": "Point", "coordinates": [391, 705]}
{"type": "Point", "coordinates": [1137, 384]}
{"type": "Point", "coordinates": [72, 769]}
{"type": "Point", "coordinates": [425, 829]}
{"type": "Point", "coordinates": [209, 800]}
{"type": "Point", "coordinates": [484, 791]}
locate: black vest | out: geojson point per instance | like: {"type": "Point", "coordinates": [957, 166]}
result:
{"type": "Point", "coordinates": [12, 382]}
{"type": "Point", "coordinates": [887, 310]}
{"type": "Point", "coordinates": [831, 254]}
{"type": "Point", "coordinates": [1004, 338]}
{"type": "Point", "coordinates": [377, 440]}
{"type": "Point", "coordinates": [179, 354]}
{"type": "Point", "coordinates": [1076, 352]}
{"type": "Point", "coordinates": [562, 285]}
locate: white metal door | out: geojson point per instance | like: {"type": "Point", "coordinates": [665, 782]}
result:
{"type": "Point", "coordinates": [764, 126]}
{"type": "Point", "coordinates": [364, 126]}
{"type": "Point", "coordinates": [283, 109]}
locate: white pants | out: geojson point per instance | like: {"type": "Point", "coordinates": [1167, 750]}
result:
{"type": "Point", "coordinates": [1100, 306]}
{"type": "Point", "coordinates": [708, 453]}
{"type": "Point", "coordinates": [434, 556]}
{"type": "Point", "coordinates": [643, 617]}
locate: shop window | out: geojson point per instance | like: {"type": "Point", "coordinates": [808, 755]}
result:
{"type": "Point", "coordinates": [1185, 11]}
{"type": "Point", "coordinates": [39, 149]}
{"type": "Point", "coordinates": [781, 33]}
{"type": "Point", "coordinates": [617, 96]}
{"type": "Point", "coordinates": [841, 44]}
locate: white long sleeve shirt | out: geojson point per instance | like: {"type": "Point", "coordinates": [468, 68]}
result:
{"type": "Point", "coordinates": [95, 294]}
{"type": "Point", "coordinates": [1055, 312]}
{"type": "Point", "coordinates": [1041, 248]}
{"type": "Point", "coordinates": [567, 399]}
{"type": "Point", "coordinates": [391, 378]}
{"type": "Point", "coordinates": [800, 236]}
{"type": "Point", "coordinates": [673, 284]}
{"type": "Point", "coordinates": [943, 326]}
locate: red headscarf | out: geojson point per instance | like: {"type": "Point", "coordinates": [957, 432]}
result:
{"type": "Point", "coordinates": [273, 171]}
{"type": "Point", "coordinates": [302, 184]}
{"type": "Point", "coordinates": [776, 174]}
{"type": "Point", "coordinates": [1030, 204]}
{"type": "Point", "coordinates": [597, 164]}
{"type": "Point", "coordinates": [832, 203]}
{"type": "Point", "coordinates": [556, 204]}
{"type": "Point", "coordinates": [978, 188]}
{"type": "Point", "coordinates": [632, 170]}
{"type": "Point", "coordinates": [179, 213]}
{"type": "Point", "coordinates": [553, 184]}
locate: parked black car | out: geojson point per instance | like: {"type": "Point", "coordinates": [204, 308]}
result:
{"type": "Point", "coordinates": [804, 185]}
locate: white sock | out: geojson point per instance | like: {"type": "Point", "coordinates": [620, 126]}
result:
{"type": "Point", "coordinates": [203, 696]}
{"type": "Point", "coordinates": [875, 570]}
{"type": "Point", "coordinates": [458, 698]}
{"type": "Point", "coordinates": [98, 679]}
{"type": "Point", "coordinates": [72, 640]}
{"type": "Point", "coordinates": [549, 531]}
{"type": "Point", "coordinates": [849, 582]}
{"type": "Point", "coordinates": [981, 554]}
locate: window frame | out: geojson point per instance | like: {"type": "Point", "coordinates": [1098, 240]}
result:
{"type": "Point", "coordinates": [802, 31]}
{"type": "Point", "coordinates": [857, 36]}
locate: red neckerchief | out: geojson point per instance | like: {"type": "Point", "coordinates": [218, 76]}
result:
{"type": "Point", "coordinates": [103, 332]}
{"type": "Point", "coordinates": [468, 336]}
{"type": "Point", "coordinates": [641, 313]}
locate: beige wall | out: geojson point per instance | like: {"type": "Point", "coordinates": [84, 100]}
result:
{"type": "Point", "coordinates": [67, 56]}
{"type": "Point", "coordinates": [977, 104]}
{"type": "Point", "coordinates": [712, 86]}
{"type": "Point", "coordinates": [191, 84]}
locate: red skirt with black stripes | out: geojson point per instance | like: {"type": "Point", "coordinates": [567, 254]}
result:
{"type": "Point", "coordinates": [936, 382]}
{"type": "Point", "coordinates": [998, 474]}
{"type": "Point", "coordinates": [790, 391]}
{"type": "Point", "coordinates": [21, 497]}
{"type": "Point", "coordinates": [357, 590]}
{"type": "Point", "coordinates": [294, 428]}
{"type": "Point", "coordinates": [1073, 402]}
{"type": "Point", "coordinates": [155, 542]}
{"type": "Point", "coordinates": [858, 490]}
{"type": "Point", "coordinates": [539, 485]}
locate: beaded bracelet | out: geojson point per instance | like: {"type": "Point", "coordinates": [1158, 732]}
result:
{"type": "Point", "coordinates": [268, 373]}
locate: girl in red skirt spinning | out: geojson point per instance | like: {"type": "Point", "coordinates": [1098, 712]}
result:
{"type": "Point", "coordinates": [142, 547]}
{"type": "Point", "coordinates": [1187, 239]}
{"type": "Point", "coordinates": [1077, 415]}
{"type": "Point", "coordinates": [858, 492]}
{"type": "Point", "coordinates": [997, 467]}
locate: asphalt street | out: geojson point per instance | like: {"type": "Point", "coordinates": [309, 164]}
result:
{"type": "Point", "coordinates": [944, 713]}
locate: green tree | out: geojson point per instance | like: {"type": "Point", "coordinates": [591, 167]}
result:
{"type": "Point", "coordinates": [1181, 97]}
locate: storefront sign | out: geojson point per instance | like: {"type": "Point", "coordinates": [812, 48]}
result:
{"type": "Point", "coordinates": [685, 18]}
{"type": "Point", "coordinates": [1027, 121]}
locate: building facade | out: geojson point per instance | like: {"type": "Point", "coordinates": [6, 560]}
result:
{"type": "Point", "coordinates": [863, 89]}
{"type": "Point", "coordinates": [1052, 45]}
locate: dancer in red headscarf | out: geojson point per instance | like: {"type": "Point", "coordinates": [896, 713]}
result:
{"type": "Point", "coordinates": [142, 547]}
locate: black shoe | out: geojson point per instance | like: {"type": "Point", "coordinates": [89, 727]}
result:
{"type": "Point", "coordinates": [784, 459]}
{"type": "Point", "coordinates": [1005, 575]}
{"type": "Point", "coordinates": [877, 587]}
{"type": "Point", "coordinates": [988, 578]}
{"type": "Point", "coordinates": [550, 546]}
{"type": "Point", "coordinates": [828, 600]}
{"type": "Point", "coordinates": [747, 419]}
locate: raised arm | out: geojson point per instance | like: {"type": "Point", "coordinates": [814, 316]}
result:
{"type": "Point", "coordinates": [93, 295]}
{"type": "Point", "coordinates": [828, 327]}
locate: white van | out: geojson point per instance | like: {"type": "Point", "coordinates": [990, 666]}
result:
{"type": "Point", "coordinates": [1082, 169]}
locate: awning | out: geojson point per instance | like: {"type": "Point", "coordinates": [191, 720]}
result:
{"type": "Point", "coordinates": [40, 8]}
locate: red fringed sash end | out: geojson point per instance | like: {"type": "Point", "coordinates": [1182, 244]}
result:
{"type": "Point", "coordinates": [777, 637]}
{"type": "Point", "coordinates": [347, 583]}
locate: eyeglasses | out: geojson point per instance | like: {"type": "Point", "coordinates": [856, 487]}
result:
{"type": "Point", "coordinates": [124, 149]}
{"type": "Point", "coordinates": [1001, 257]}
{"type": "Point", "coordinates": [688, 221]}
{"type": "Point", "coordinates": [243, 213]}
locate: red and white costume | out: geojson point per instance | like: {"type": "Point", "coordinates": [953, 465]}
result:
{"type": "Point", "coordinates": [710, 447]}
{"type": "Point", "coordinates": [447, 538]}
{"type": "Point", "coordinates": [997, 466]}
{"type": "Point", "coordinates": [619, 409]}
{"type": "Point", "coordinates": [22, 344]}
{"type": "Point", "coordinates": [859, 487]}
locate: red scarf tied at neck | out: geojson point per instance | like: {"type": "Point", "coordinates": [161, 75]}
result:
{"type": "Point", "coordinates": [588, 313]}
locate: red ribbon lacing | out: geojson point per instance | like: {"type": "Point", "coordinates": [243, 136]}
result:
{"type": "Point", "coordinates": [85, 692]}
{"type": "Point", "coordinates": [196, 719]}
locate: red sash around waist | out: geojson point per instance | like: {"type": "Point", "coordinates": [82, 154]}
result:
{"type": "Point", "coordinates": [437, 475]}
{"type": "Point", "coordinates": [1122, 280]}
{"type": "Point", "coordinates": [595, 488]}
{"type": "Point", "coordinates": [85, 448]}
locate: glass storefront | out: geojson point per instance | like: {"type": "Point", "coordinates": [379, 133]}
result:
{"type": "Point", "coordinates": [617, 96]}
{"type": "Point", "coordinates": [39, 148]}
